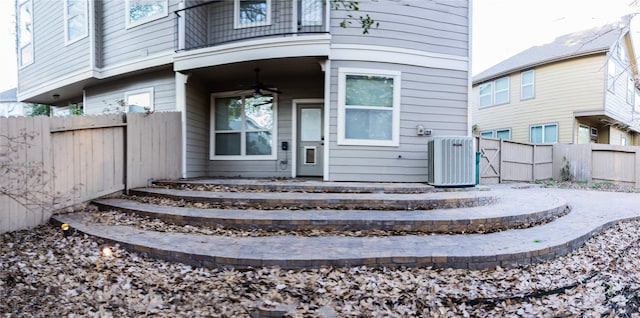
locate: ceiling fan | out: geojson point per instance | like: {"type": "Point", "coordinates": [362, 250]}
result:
{"type": "Point", "coordinates": [258, 86]}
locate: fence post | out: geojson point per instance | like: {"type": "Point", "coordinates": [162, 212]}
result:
{"type": "Point", "coordinates": [500, 160]}
{"type": "Point", "coordinates": [533, 164]}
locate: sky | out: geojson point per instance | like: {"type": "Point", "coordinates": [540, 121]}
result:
{"type": "Point", "coordinates": [501, 28]}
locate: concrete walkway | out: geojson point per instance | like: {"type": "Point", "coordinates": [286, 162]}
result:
{"type": "Point", "coordinates": [592, 212]}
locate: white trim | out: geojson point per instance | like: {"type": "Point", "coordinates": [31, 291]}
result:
{"type": "Point", "coordinates": [127, 7]}
{"type": "Point", "coordinates": [65, 6]}
{"type": "Point", "coordinates": [70, 79]}
{"type": "Point", "coordinates": [294, 131]}
{"type": "Point", "coordinates": [163, 58]}
{"type": "Point", "coordinates": [271, 48]}
{"type": "Point", "coordinates": [274, 131]}
{"type": "Point", "coordinates": [469, 74]}
{"type": "Point", "coordinates": [147, 90]}
{"type": "Point", "coordinates": [395, 124]}
{"type": "Point", "coordinates": [92, 35]}
{"type": "Point", "coordinates": [533, 84]}
{"type": "Point", "coordinates": [385, 54]}
{"type": "Point", "coordinates": [181, 106]}
{"type": "Point", "coordinates": [327, 118]}
{"type": "Point", "coordinates": [236, 16]}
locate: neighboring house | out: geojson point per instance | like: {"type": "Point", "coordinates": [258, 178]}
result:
{"type": "Point", "coordinates": [9, 105]}
{"type": "Point", "coordinates": [581, 88]}
{"type": "Point", "coordinates": [267, 88]}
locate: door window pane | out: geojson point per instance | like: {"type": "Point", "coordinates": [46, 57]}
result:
{"type": "Point", "coordinates": [310, 124]}
{"type": "Point", "coordinates": [311, 12]}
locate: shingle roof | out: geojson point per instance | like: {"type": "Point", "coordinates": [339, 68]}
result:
{"type": "Point", "coordinates": [10, 95]}
{"type": "Point", "coordinates": [595, 40]}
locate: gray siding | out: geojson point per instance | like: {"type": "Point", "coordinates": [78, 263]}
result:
{"type": "Point", "coordinates": [122, 45]}
{"type": "Point", "coordinates": [431, 26]}
{"type": "Point", "coordinates": [52, 59]}
{"type": "Point", "coordinates": [197, 129]}
{"type": "Point", "coordinates": [106, 95]}
{"type": "Point", "coordinates": [435, 98]}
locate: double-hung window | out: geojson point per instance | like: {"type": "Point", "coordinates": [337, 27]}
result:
{"type": "Point", "coordinates": [243, 127]}
{"type": "Point", "coordinates": [311, 12]}
{"type": "Point", "coordinates": [251, 13]}
{"type": "Point", "coordinates": [544, 134]}
{"type": "Point", "coordinates": [527, 79]}
{"type": "Point", "coordinates": [368, 107]}
{"type": "Point", "coordinates": [142, 11]}
{"type": "Point", "coordinates": [494, 92]}
{"type": "Point", "coordinates": [631, 90]}
{"type": "Point", "coordinates": [75, 20]}
{"type": "Point", "coordinates": [25, 32]}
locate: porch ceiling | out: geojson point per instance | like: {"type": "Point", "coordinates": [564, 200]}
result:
{"type": "Point", "coordinates": [270, 70]}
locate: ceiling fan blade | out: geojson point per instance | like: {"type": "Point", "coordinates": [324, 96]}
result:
{"type": "Point", "coordinates": [272, 90]}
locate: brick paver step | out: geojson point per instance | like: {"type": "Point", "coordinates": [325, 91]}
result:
{"type": "Point", "coordinates": [305, 185]}
{"type": "Point", "coordinates": [357, 201]}
{"type": "Point", "coordinates": [591, 213]}
{"type": "Point", "coordinates": [505, 214]}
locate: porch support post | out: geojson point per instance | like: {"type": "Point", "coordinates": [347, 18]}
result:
{"type": "Point", "coordinates": [181, 106]}
{"type": "Point", "coordinates": [327, 117]}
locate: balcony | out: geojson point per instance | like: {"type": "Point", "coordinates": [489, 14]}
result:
{"type": "Point", "coordinates": [220, 22]}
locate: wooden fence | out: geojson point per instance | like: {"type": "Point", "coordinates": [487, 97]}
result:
{"type": "Point", "coordinates": [598, 163]}
{"type": "Point", "coordinates": [52, 163]}
{"type": "Point", "coordinates": [508, 161]}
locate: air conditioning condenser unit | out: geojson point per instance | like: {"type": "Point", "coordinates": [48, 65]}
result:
{"type": "Point", "coordinates": [451, 161]}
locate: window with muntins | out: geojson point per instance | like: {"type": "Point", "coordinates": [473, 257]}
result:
{"type": "Point", "coordinates": [494, 92]}
{"type": "Point", "coordinates": [527, 84]}
{"type": "Point", "coordinates": [544, 134]}
{"type": "Point", "coordinates": [369, 107]}
{"type": "Point", "coordinates": [243, 127]}
{"type": "Point", "coordinates": [251, 13]}
{"type": "Point", "coordinates": [311, 12]}
{"type": "Point", "coordinates": [142, 11]}
{"type": "Point", "coordinates": [25, 32]}
{"type": "Point", "coordinates": [75, 16]}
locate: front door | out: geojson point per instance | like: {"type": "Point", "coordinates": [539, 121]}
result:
{"type": "Point", "coordinates": [310, 140]}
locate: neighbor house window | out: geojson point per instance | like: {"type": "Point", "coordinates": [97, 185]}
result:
{"type": "Point", "coordinates": [495, 92]}
{"type": "Point", "coordinates": [526, 86]}
{"type": "Point", "coordinates": [139, 101]}
{"type": "Point", "coordinates": [631, 90]}
{"type": "Point", "coordinates": [311, 12]}
{"type": "Point", "coordinates": [251, 13]}
{"type": "Point", "coordinates": [141, 11]}
{"type": "Point", "coordinates": [544, 134]}
{"type": "Point", "coordinates": [498, 133]}
{"type": "Point", "coordinates": [75, 20]}
{"type": "Point", "coordinates": [25, 32]}
{"type": "Point", "coordinates": [611, 77]}
{"type": "Point", "coordinates": [243, 127]}
{"type": "Point", "coordinates": [368, 107]}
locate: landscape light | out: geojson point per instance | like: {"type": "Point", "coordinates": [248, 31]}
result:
{"type": "Point", "coordinates": [107, 251]}
{"type": "Point", "coordinates": [65, 229]}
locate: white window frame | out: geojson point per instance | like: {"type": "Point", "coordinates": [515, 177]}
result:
{"type": "Point", "coordinates": [127, 14]}
{"type": "Point", "coordinates": [236, 16]}
{"type": "Point", "coordinates": [318, 5]}
{"type": "Point", "coordinates": [243, 131]}
{"type": "Point", "coordinates": [494, 92]}
{"type": "Point", "coordinates": [504, 129]}
{"type": "Point", "coordinates": [21, 47]}
{"type": "Point", "coordinates": [487, 132]}
{"type": "Point", "coordinates": [85, 31]}
{"type": "Point", "coordinates": [523, 85]}
{"type": "Point", "coordinates": [342, 107]}
{"type": "Point", "coordinates": [543, 126]}
{"type": "Point", "coordinates": [490, 94]}
{"type": "Point", "coordinates": [148, 90]}
{"type": "Point", "coordinates": [494, 132]}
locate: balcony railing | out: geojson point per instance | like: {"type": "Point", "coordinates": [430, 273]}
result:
{"type": "Point", "coordinates": [224, 21]}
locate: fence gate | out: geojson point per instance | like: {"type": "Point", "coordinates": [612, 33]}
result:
{"type": "Point", "coordinates": [489, 160]}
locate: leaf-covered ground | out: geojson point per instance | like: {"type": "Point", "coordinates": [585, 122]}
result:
{"type": "Point", "coordinates": [44, 274]}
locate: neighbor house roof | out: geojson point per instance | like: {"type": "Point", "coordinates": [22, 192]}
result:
{"type": "Point", "coordinates": [582, 43]}
{"type": "Point", "coordinates": [10, 95]}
